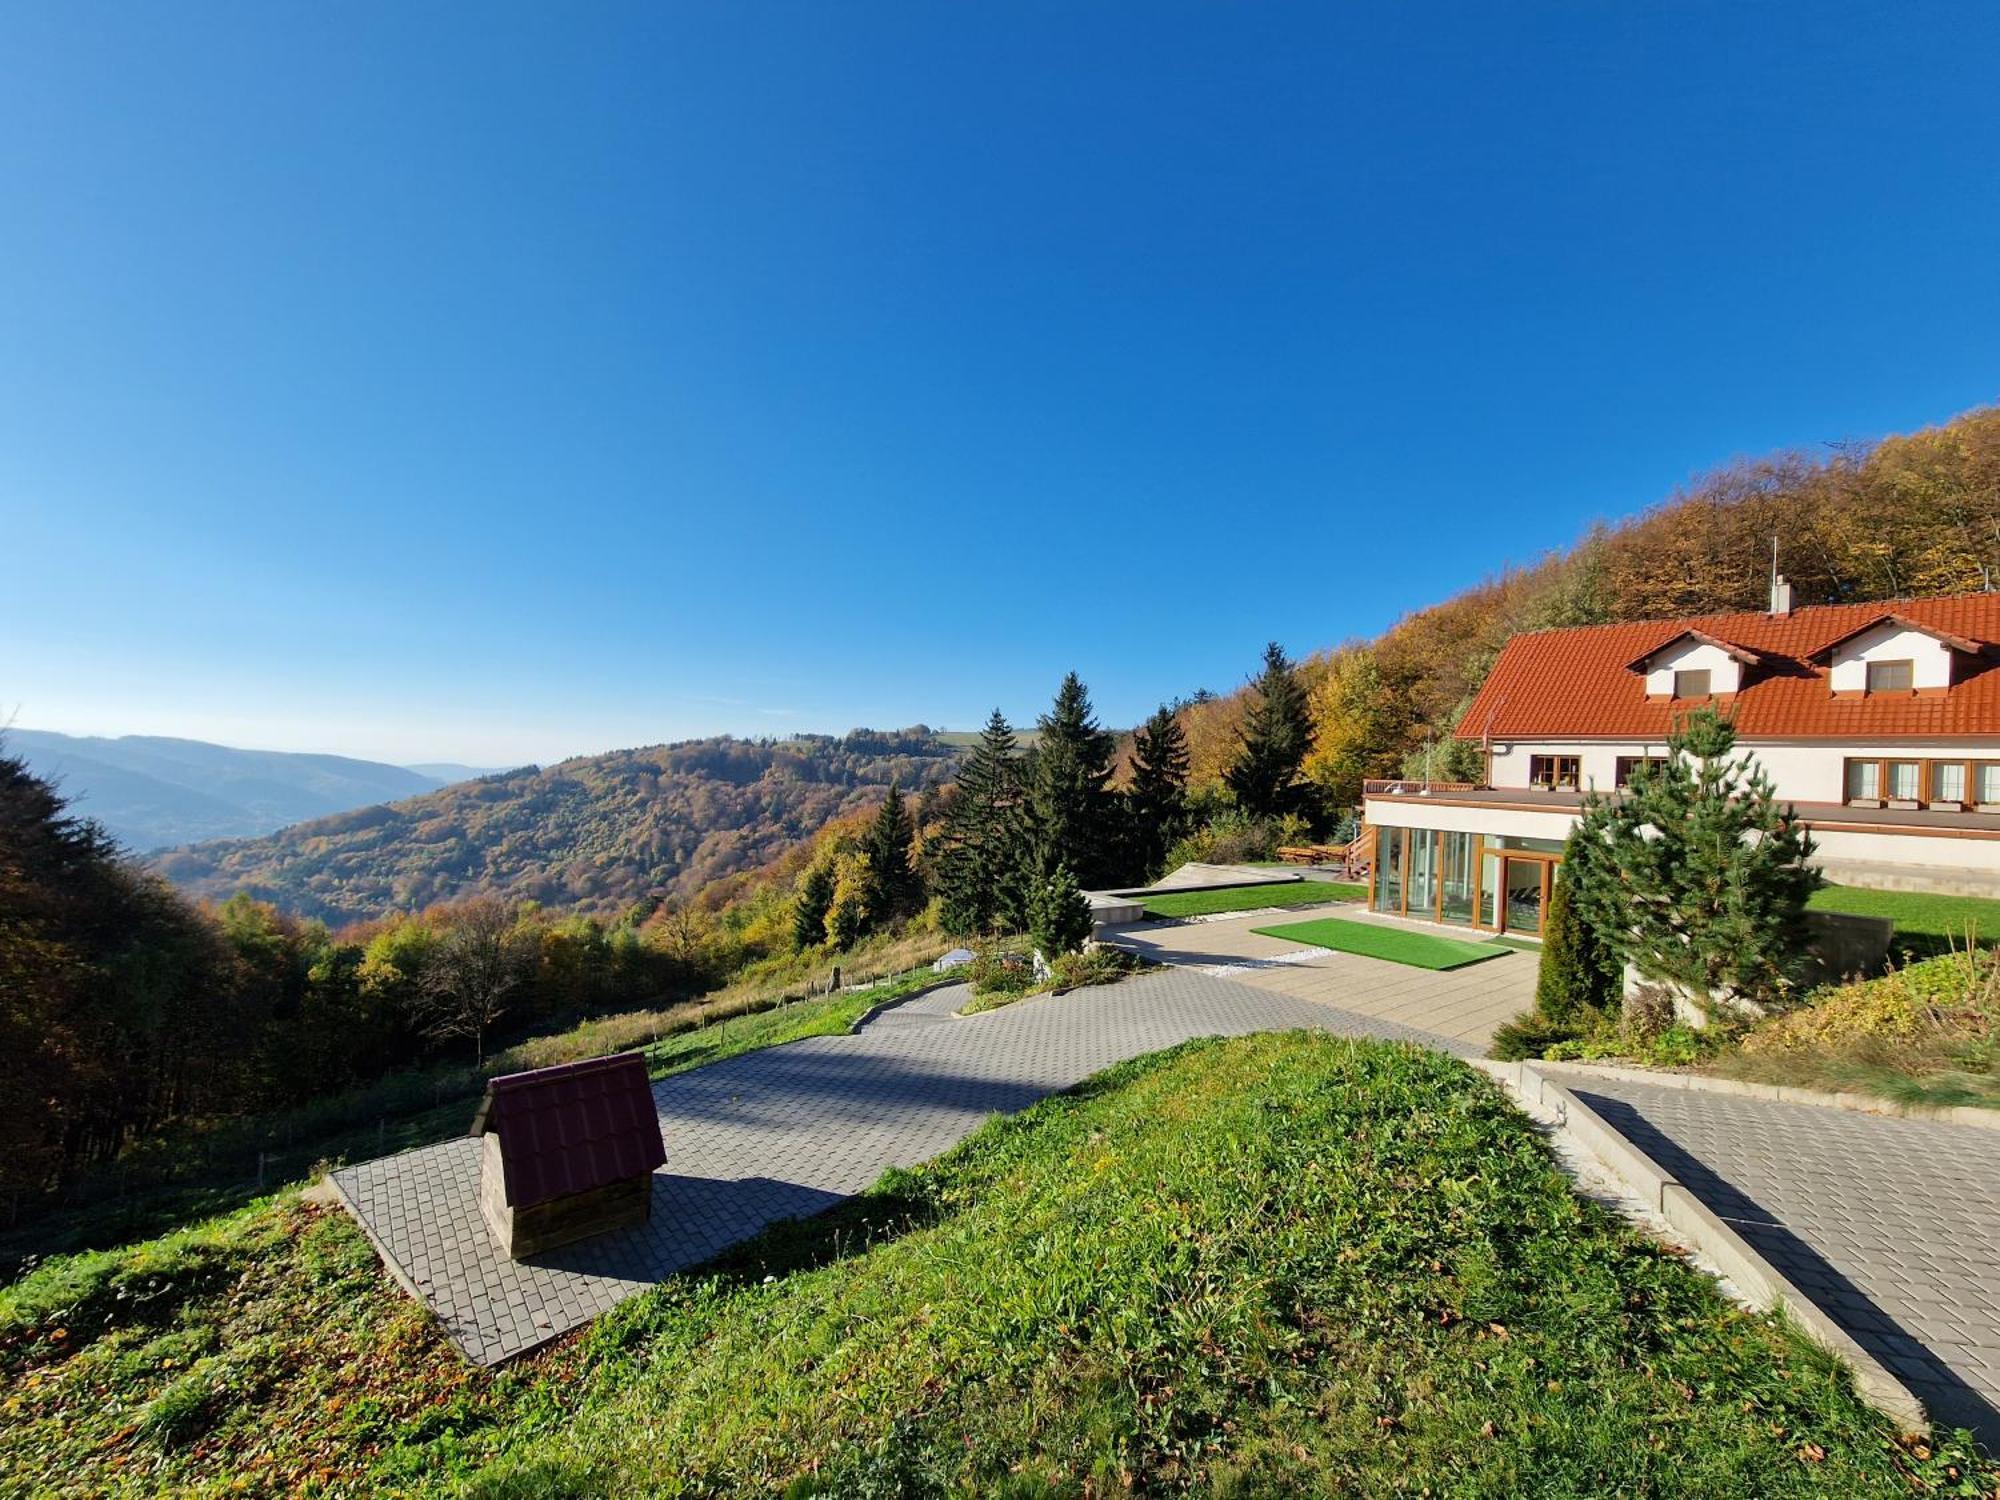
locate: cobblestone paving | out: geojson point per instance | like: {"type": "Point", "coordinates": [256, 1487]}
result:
{"type": "Point", "coordinates": [789, 1131]}
{"type": "Point", "coordinates": [1891, 1225]}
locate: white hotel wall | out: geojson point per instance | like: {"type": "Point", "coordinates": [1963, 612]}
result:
{"type": "Point", "coordinates": [1929, 658]}
{"type": "Point", "coordinates": [1802, 771]}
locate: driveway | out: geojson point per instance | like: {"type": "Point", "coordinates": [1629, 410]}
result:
{"type": "Point", "coordinates": [1463, 1004]}
{"type": "Point", "coordinates": [791, 1130]}
{"type": "Point", "coordinates": [1889, 1225]}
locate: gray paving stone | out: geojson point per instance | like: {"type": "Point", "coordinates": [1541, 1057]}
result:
{"type": "Point", "coordinates": [788, 1132]}
{"type": "Point", "coordinates": [1890, 1225]}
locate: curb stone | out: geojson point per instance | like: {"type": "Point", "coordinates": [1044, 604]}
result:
{"type": "Point", "coordinates": [1865, 1104]}
{"type": "Point", "coordinates": [1762, 1283]}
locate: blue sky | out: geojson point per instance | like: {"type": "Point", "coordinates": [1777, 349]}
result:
{"type": "Point", "coordinates": [499, 383]}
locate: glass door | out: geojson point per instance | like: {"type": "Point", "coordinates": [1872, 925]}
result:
{"type": "Point", "coordinates": [1526, 886]}
{"type": "Point", "coordinates": [1423, 874]}
{"type": "Point", "coordinates": [1456, 904]}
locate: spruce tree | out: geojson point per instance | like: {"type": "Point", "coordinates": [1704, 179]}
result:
{"type": "Point", "coordinates": [1072, 802]}
{"type": "Point", "coordinates": [895, 892]}
{"type": "Point", "coordinates": [809, 911]}
{"type": "Point", "coordinates": [987, 854]}
{"type": "Point", "coordinates": [1060, 920]}
{"type": "Point", "coordinates": [1276, 733]}
{"type": "Point", "coordinates": [1156, 800]}
{"type": "Point", "coordinates": [1699, 875]}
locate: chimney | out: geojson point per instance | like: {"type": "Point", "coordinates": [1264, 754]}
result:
{"type": "Point", "coordinates": [1781, 594]}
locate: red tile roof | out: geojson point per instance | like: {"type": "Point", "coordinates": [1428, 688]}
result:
{"type": "Point", "coordinates": [572, 1128]}
{"type": "Point", "coordinates": [1578, 683]}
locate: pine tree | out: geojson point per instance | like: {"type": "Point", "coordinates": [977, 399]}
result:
{"type": "Point", "coordinates": [1698, 875]}
{"type": "Point", "coordinates": [1060, 921]}
{"type": "Point", "coordinates": [1156, 800]}
{"type": "Point", "coordinates": [1073, 805]}
{"type": "Point", "coordinates": [1576, 979]}
{"type": "Point", "coordinates": [1276, 733]}
{"type": "Point", "coordinates": [895, 890]}
{"type": "Point", "coordinates": [987, 850]}
{"type": "Point", "coordinates": [809, 913]}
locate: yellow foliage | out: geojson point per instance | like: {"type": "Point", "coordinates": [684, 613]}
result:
{"type": "Point", "coordinates": [1948, 993]}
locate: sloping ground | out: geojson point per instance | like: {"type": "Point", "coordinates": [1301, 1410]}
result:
{"type": "Point", "coordinates": [1286, 1264]}
{"type": "Point", "coordinates": [786, 1133]}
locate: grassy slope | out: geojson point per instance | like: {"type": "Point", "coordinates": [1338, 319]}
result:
{"type": "Point", "coordinates": [1926, 924]}
{"type": "Point", "coordinates": [1252, 898]}
{"type": "Point", "coordinates": [1282, 1264]}
{"type": "Point", "coordinates": [409, 1117]}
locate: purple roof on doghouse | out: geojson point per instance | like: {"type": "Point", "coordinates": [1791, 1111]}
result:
{"type": "Point", "coordinates": [572, 1128]}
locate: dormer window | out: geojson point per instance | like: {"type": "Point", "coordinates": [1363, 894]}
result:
{"type": "Point", "coordinates": [1692, 684]}
{"type": "Point", "coordinates": [1892, 676]}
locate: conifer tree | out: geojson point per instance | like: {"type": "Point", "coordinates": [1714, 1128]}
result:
{"type": "Point", "coordinates": [1698, 874]}
{"type": "Point", "coordinates": [1060, 920]}
{"type": "Point", "coordinates": [895, 890]}
{"type": "Point", "coordinates": [1276, 733]}
{"type": "Point", "coordinates": [809, 912]}
{"type": "Point", "coordinates": [1156, 800]}
{"type": "Point", "coordinates": [987, 854]}
{"type": "Point", "coordinates": [1073, 805]}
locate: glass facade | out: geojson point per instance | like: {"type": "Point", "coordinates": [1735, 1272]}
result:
{"type": "Point", "coordinates": [1442, 876]}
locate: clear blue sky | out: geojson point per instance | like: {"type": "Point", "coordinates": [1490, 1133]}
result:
{"type": "Point", "coordinates": [497, 383]}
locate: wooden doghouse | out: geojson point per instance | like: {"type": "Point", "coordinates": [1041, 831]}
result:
{"type": "Point", "coordinates": [567, 1152]}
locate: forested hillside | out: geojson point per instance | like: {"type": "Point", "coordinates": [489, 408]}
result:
{"type": "Point", "coordinates": [593, 834]}
{"type": "Point", "coordinates": [1909, 516]}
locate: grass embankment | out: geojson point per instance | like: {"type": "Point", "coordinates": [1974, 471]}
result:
{"type": "Point", "coordinates": [1252, 898]}
{"type": "Point", "coordinates": [1926, 924]}
{"type": "Point", "coordinates": [1926, 1034]}
{"type": "Point", "coordinates": [217, 1171]}
{"type": "Point", "coordinates": [1274, 1265]}
{"type": "Point", "coordinates": [1420, 950]}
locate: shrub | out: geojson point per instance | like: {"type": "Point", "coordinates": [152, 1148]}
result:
{"type": "Point", "coordinates": [1059, 916]}
{"type": "Point", "coordinates": [1530, 1034]}
{"type": "Point", "coordinates": [1573, 986]}
{"type": "Point", "coordinates": [1101, 965]}
{"type": "Point", "coordinates": [1231, 837]}
{"type": "Point", "coordinates": [1000, 973]}
{"type": "Point", "coordinates": [1948, 993]}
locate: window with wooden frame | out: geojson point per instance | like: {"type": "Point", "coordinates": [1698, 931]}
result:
{"type": "Point", "coordinates": [1627, 764]}
{"type": "Point", "coordinates": [1892, 676]}
{"type": "Point", "coordinates": [1692, 683]}
{"type": "Point", "coordinates": [1555, 773]}
{"type": "Point", "coordinates": [1931, 783]}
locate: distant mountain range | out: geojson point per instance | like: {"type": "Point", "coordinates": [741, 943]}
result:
{"type": "Point", "coordinates": [596, 833]}
{"type": "Point", "coordinates": [151, 792]}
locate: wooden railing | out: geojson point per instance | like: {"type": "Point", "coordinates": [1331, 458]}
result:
{"type": "Point", "coordinates": [1413, 786]}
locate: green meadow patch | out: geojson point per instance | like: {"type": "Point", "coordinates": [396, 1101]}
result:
{"type": "Point", "coordinates": [1422, 950]}
{"type": "Point", "coordinates": [1252, 898]}
{"type": "Point", "coordinates": [1274, 1265]}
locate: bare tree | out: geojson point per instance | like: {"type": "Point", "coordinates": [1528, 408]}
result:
{"type": "Point", "coordinates": [479, 960]}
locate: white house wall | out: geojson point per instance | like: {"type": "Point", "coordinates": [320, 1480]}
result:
{"type": "Point", "coordinates": [1930, 658]}
{"type": "Point", "coordinates": [1456, 818]}
{"type": "Point", "coordinates": [1802, 771]}
{"type": "Point", "coordinates": [1725, 672]}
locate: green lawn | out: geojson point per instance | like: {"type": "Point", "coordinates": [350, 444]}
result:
{"type": "Point", "coordinates": [1926, 924]}
{"type": "Point", "coordinates": [1275, 1265]}
{"type": "Point", "coordinates": [1422, 950]}
{"type": "Point", "coordinates": [1252, 898]}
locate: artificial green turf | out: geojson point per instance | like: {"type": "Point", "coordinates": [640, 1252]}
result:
{"type": "Point", "coordinates": [1418, 949]}
{"type": "Point", "coordinates": [1926, 923]}
{"type": "Point", "coordinates": [1252, 898]}
{"type": "Point", "coordinates": [1287, 1264]}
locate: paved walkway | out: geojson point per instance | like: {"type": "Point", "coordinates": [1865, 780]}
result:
{"type": "Point", "coordinates": [789, 1131]}
{"type": "Point", "coordinates": [1463, 1004]}
{"type": "Point", "coordinates": [1891, 1225]}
